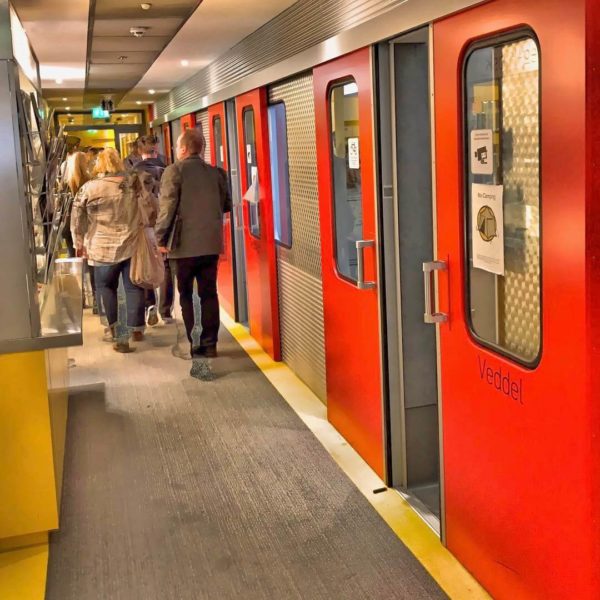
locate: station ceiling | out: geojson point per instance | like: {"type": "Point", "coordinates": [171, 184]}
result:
{"type": "Point", "coordinates": [87, 50]}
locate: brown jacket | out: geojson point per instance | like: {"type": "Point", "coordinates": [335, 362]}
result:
{"type": "Point", "coordinates": [201, 195]}
{"type": "Point", "coordinates": [106, 215]}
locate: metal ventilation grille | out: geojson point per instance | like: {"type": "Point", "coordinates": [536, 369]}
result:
{"type": "Point", "coordinates": [520, 115]}
{"type": "Point", "coordinates": [303, 25]}
{"type": "Point", "coordinates": [299, 267]}
{"type": "Point", "coordinates": [202, 117]}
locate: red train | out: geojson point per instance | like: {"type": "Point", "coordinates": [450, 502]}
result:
{"type": "Point", "coordinates": [416, 234]}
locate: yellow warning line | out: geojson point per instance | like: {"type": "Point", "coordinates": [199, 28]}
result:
{"type": "Point", "coordinates": [451, 576]}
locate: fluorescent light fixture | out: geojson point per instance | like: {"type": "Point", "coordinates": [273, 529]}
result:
{"type": "Point", "coordinates": [185, 63]}
{"type": "Point", "coordinates": [350, 89]}
{"type": "Point", "coordinates": [152, 92]}
{"type": "Point", "coordinates": [59, 72]}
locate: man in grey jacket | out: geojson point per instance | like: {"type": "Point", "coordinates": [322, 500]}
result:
{"type": "Point", "coordinates": [199, 194]}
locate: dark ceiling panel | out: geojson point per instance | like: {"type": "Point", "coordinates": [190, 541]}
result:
{"type": "Point", "coordinates": [116, 59]}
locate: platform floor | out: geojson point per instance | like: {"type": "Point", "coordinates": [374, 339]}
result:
{"type": "Point", "coordinates": [178, 488]}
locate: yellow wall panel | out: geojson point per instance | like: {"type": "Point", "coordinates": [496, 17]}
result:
{"type": "Point", "coordinates": [27, 471]}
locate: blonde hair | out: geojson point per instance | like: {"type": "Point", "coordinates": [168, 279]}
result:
{"type": "Point", "coordinates": [76, 173]}
{"type": "Point", "coordinates": [108, 162]}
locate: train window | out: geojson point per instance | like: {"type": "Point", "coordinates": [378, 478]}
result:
{"type": "Point", "coordinates": [251, 170]}
{"type": "Point", "coordinates": [218, 139]}
{"type": "Point", "coordinates": [345, 158]}
{"type": "Point", "coordinates": [502, 110]}
{"type": "Point", "coordinates": [280, 179]}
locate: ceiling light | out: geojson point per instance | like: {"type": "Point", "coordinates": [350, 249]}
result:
{"type": "Point", "coordinates": [146, 6]}
{"type": "Point", "coordinates": [64, 99]}
{"type": "Point", "coordinates": [185, 63]}
{"type": "Point", "coordinates": [138, 31]}
{"type": "Point", "coordinates": [59, 81]}
{"type": "Point", "coordinates": [152, 91]}
{"type": "Point", "coordinates": [138, 102]}
{"type": "Point", "coordinates": [67, 108]}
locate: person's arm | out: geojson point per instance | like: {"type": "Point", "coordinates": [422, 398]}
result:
{"type": "Point", "coordinates": [225, 191]}
{"type": "Point", "coordinates": [79, 218]}
{"type": "Point", "coordinates": [149, 198]}
{"type": "Point", "coordinates": [170, 191]}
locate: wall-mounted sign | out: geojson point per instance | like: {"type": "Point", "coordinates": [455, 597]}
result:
{"type": "Point", "coordinates": [487, 235]}
{"type": "Point", "coordinates": [99, 113]}
{"type": "Point", "coordinates": [482, 152]}
{"type": "Point", "coordinates": [353, 153]}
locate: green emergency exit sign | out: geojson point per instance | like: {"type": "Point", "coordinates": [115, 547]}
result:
{"type": "Point", "coordinates": [99, 113]}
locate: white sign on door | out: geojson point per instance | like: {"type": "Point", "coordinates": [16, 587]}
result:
{"type": "Point", "coordinates": [221, 154]}
{"type": "Point", "coordinates": [482, 152]}
{"type": "Point", "coordinates": [249, 153]}
{"type": "Point", "coordinates": [487, 235]}
{"type": "Point", "coordinates": [353, 153]}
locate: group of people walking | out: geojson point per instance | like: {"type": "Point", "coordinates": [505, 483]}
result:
{"type": "Point", "coordinates": [184, 203]}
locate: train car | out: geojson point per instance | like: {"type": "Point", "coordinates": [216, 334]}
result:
{"type": "Point", "coordinates": [419, 217]}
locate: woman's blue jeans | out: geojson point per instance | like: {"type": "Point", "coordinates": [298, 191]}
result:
{"type": "Point", "coordinates": [107, 283]}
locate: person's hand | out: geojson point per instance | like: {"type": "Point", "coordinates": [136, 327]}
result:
{"type": "Point", "coordinates": [163, 250]}
{"type": "Point", "coordinates": [80, 252]}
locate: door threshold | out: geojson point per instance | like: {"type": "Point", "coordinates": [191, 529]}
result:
{"type": "Point", "coordinates": [422, 510]}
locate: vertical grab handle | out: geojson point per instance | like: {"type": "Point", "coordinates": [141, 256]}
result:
{"type": "Point", "coordinates": [360, 262]}
{"type": "Point", "coordinates": [429, 269]}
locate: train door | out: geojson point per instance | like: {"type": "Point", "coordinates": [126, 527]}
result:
{"type": "Point", "coordinates": [219, 157]}
{"type": "Point", "coordinates": [188, 122]}
{"type": "Point", "coordinates": [345, 155]}
{"type": "Point", "coordinates": [407, 222]}
{"type": "Point", "coordinates": [511, 176]}
{"type": "Point", "coordinates": [296, 220]}
{"type": "Point", "coordinates": [201, 121]}
{"type": "Point", "coordinates": [175, 133]}
{"type": "Point", "coordinates": [237, 215]}
{"type": "Point", "coordinates": [261, 274]}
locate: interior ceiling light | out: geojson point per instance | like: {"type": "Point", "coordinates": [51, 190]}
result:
{"type": "Point", "coordinates": [68, 107]}
{"type": "Point", "coordinates": [64, 99]}
{"type": "Point", "coordinates": [59, 81]}
{"type": "Point", "coordinates": [185, 63]}
{"type": "Point", "coordinates": [152, 91]}
{"type": "Point", "coordinates": [146, 6]}
{"type": "Point", "coordinates": [138, 101]}
{"type": "Point", "coordinates": [138, 31]}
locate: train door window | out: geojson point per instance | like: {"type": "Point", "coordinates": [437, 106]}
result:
{"type": "Point", "coordinates": [502, 109]}
{"type": "Point", "coordinates": [345, 158]}
{"type": "Point", "coordinates": [251, 170]}
{"type": "Point", "coordinates": [280, 181]}
{"type": "Point", "coordinates": [218, 138]}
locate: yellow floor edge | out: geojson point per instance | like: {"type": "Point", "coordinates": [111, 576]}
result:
{"type": "Point", "coordinates": [451, 576]}
{"type": "Point", "coordinates": [23, 573]}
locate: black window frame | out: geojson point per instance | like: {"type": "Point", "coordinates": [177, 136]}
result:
{"type": "Point", "coordinates": [248, 171]}
{"type": "Point", "coordinates": [520, 33]}
{"type": "Point", "coordinates": [216, 118]}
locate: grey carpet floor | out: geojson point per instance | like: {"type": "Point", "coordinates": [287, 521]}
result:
{"type": "Point", "coordinates": [181, 489]}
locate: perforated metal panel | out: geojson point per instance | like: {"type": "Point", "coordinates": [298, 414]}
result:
{"type": "Point", "coordinates": [202, 117]}
{"type": "Point", "coordinates": [520, 300]}
{"type": "Point", "coordinates": [299, 267]}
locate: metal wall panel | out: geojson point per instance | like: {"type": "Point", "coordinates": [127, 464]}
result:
{"type": "Point", "coordinates": [303, 26]}
{"type": "Point", "coordinates": [202, 117]}
{"type": "Point", "coordinates": [299, 267]}
{"type": "Point", "coordinates": [520, 300]}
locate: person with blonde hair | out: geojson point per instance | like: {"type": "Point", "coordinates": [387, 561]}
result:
{"type": "Point", "coordinates": [74, 176]}
{"type": "Point", "coordinates": [108, 212]}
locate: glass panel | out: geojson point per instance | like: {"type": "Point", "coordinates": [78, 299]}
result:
{"type": "Point", "coordinates": [346, 176]}
{"type": "Point", "coordinates": [218, 137]}
{"type": "Point", "coordinates": [97, 138]}
{"type": "Point", "coordinates": [503, 196]}
{"type": "Point", "coordinates": [280, 179]}
{"type": "Point", "coordinates": [115, 118]}
{"type": "Point", "coordinates": [251, 167]}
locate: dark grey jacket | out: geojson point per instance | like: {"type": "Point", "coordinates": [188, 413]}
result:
{"type": "Point", "coordinates": [202, 194]}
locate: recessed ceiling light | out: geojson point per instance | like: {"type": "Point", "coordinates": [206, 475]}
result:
{"type": "Point", "coordinates": [138, 102]}
{"type": "Point", "coordinates": [64, 99]}
{"type": "Point", "coordinates": [59, 81]}
{"type": "Point", "coordinates": [185, 63]}
{"type": "Point", "coordinates": [67, 107]}
{"type": "Point", "coordinates": [152, 91]}
{"type": "Point", "coordinates": [146, 6]}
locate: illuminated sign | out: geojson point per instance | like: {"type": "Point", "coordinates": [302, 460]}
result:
{"type": "Point", "coordinates": [99, 113]}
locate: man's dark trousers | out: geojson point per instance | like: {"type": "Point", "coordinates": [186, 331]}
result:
{"type": "Point", "coordinates": [202, 269]}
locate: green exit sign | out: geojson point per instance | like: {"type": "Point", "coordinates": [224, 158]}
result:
{"type": "Point", "coordinates": [99, 113]}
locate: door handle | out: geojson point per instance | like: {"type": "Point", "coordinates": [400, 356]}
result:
{"type": "Point", "coordinates": [429, 269]}
{"type": "Point", "coordinates": [360, 262]}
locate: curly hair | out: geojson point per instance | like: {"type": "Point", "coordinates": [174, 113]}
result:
{"type": "Point", "coordinates": [108, 162]}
